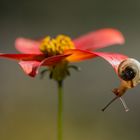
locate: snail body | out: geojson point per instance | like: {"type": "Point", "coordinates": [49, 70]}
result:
{"type": "Point", "coordinates": [129, 73]}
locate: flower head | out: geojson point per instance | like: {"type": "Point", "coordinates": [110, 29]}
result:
{"type": "Point", "coordinates": [57, 53]}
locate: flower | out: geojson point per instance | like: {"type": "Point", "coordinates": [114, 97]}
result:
{"type": "Point", "coordinates": [56, 53]}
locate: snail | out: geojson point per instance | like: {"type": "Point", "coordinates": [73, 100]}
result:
{"type": "Point", "coordinates": [129, 73]}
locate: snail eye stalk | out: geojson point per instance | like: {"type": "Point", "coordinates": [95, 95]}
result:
{"type": "Point", "coordinates": [114, 99]}
{"type": "Point", "coordinates": [124, 104]}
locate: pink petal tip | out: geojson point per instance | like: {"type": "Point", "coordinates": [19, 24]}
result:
{"type": "Point", "coordinates": [99, 39]}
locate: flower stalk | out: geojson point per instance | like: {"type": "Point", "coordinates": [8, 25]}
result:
{"type": "Point", "coordinates": [60, 110]}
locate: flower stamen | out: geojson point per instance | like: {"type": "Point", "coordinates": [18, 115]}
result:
{"type": "Point", "coordinates": [55, 46]}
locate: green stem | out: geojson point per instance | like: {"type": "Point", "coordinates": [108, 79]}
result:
{"type": "Point", "coordinates": [60, 109]}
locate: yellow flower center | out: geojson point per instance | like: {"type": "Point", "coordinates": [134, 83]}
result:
{"type": "Point", "coordinates": [55, 46]}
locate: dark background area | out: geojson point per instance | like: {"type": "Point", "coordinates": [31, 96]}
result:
{"type": "Point", "coordinates": [28, 107]}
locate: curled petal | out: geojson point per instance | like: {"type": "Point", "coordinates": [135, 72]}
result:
{"type": "Point", "coordinates": [31, 67]}
{"type": "Point", "coordinates": [54, 60]}
{"type": "Point", "coordinates": [27, 46]}
{"type": "Point", "coordinates": [113, 58]}
{"type": "Point", "coordinates": [99, 39]}
{"type": "Point", "coordinates": [79, 55]}
{"type": "Point", "coordinates": [37, 57]}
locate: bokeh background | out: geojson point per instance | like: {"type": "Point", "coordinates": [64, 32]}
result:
{"type": "Point", "coordinates": [28, 107]}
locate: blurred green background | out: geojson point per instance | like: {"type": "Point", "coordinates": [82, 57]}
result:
{"type": "Point", "coordinates": [28, 107]}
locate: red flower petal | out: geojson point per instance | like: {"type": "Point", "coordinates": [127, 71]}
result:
{"type": "Point", "coordinates": [27, 46]}
{"type": "Point", "coordinates": [79, 55]}
{"type": "Point", "coordinates": [113, 58]}
{"type": "Point", "coordinates": [37, 57]}
{"type": "Point", "coordinates": [54, 59]}
{"type": "Point", "coordinates": [99, 39]}
{"type": "Point", "coordinates": [31, 67]}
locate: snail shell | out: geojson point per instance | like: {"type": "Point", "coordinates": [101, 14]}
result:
{"type": "Point", "coordinates": [129, 72]}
